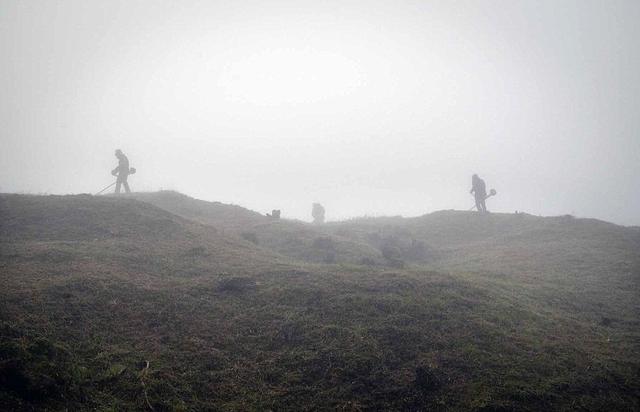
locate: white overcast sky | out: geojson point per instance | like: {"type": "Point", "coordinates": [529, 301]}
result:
{"type": "Point", "coordinates": [369, 107]}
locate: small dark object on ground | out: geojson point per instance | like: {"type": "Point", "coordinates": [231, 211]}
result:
{"type": "Point", "coordinates": [235, 284]}
{"type": "Point", "coordinates": [426, 379]}
{"type": "Point", "coordinates": [196, 251]}
{"type": "Point", "coordinates": [367, 261]}
{"type": "Point", "coordinates": [250, 236]}
{"type": "Point", "coordinates": [324, 243]}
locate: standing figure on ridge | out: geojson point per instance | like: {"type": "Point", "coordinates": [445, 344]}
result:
{"type": "Point", "coordinates": [317, 212]}
{"type": "Point", "coordinates": [479, 190]}
{"type": "Point", "coordinates": [122, 171]}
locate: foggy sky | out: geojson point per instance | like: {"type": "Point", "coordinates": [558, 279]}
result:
{"type": "Point", "coordinates": [368, 107]}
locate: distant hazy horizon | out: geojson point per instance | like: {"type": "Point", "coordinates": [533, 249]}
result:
{"type": "Point", "coordinates": [368, 107]}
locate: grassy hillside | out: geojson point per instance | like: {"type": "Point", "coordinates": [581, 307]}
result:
{"type": "Point", "coordinates": [119, 304]}
{"type": "Point", "coordinates": [294, 239]}
{"type": "Point", "coordinates": [585, 267]}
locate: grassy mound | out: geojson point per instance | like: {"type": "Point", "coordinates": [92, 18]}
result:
{"type": "Point", "coordinates": [294, 239]}
{"type": "Point", "coordinates": [116, 304]}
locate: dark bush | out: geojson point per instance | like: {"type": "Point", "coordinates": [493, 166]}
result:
{"type": "Point", "coordinates": [417, 250]}
{"type": "Point", "coordinates": [391, 251]}
{"type": "Point", "coordinates": [329, 257]}
{"type": "Point", "coordinates": [324, 243]}
{"type": "Point", "coordinates": [235, 284]}
{"type": "Point", "coordinates": [427, 380]}
{"type": "Point", "coordinates": [367, 261]}
{"type": "Point", "coordinates": [250, 236]}
{"type": "Point", "coordinates": [196, 251]}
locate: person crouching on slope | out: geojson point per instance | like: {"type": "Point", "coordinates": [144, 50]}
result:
{"type": "Point", "coordinates": [122, 171]}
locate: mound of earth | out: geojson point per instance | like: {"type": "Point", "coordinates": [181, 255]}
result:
{"type": "Point", "coordinates": [291, 238]}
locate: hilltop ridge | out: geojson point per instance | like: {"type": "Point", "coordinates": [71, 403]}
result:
{"type": "Point", "coordinates": [440, 239]}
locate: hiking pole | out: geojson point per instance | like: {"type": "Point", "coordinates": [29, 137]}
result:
{"type": "Point", "coordinates": [106, 188]}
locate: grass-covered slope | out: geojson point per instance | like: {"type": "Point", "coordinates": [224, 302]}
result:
{"type": "Point", "coordinates": [114, 304]}
{"type": "Point", "coordinates": [502, 241]}
{"type": "Point", "coordinates": [294, 239]}
{"type": "Point", "coordinates": [586, 267]}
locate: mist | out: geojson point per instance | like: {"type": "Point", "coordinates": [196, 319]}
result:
{"type": "Point", "coordinates": [370, 108]}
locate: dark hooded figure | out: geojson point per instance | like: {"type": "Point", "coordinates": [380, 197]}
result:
{"type": "Point", "coordinates": [479, 190]}
{"type": "Point", "coordinates": [122, 171]}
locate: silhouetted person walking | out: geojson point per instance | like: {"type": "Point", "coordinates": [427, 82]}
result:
{"type": "Point", "coordinates": [479, 190]}
{"type": "Point", "coordinates": [122, 171]}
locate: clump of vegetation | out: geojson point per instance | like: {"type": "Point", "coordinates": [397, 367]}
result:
{"type": "Point", "coordinates": [391, 251]}
{"type": "Point", "coordinates": [235, 284]}
{"type": "Point", "coordinates": [427, 380]}
{"type": "Point", "coordinates": [324, 243]}
{"type": "Point", "coordinates": [250, 236]}
{"type": "Point", "coordinates": [399, 245]}
{"type": "Point", "coordinates": [367, 261]}
{"type": "Point", "coordinates": [35, 370]}
{"type": "Point", "coordinates": [325, 247]}
{"type": "Point", "coordinates": [196, 251]}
